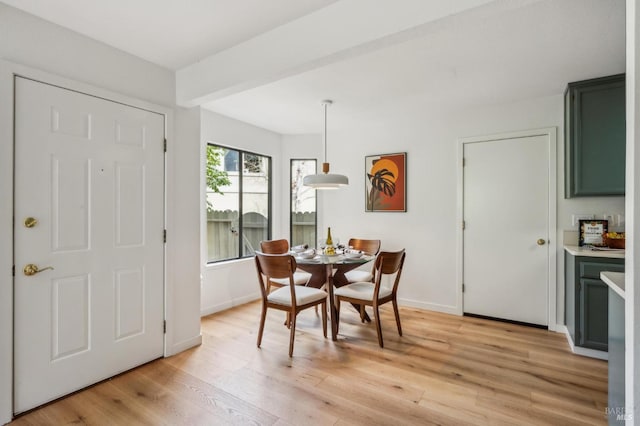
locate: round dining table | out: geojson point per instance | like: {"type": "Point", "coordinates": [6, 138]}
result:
{"type": "Point", "coordinates": [330, 270]}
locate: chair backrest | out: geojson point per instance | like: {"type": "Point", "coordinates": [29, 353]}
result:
{"type": "Point", "coordinates": [370, 247]}
{"type": "Point", "coordinates": [275, 266]}
{"type": "Point", "coordinates": [274, 246]}
{"type": "Point", "coordinates": [388, 263]}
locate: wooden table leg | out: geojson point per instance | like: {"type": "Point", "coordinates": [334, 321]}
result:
{"type": "Point", "coordinates": [332, 306]}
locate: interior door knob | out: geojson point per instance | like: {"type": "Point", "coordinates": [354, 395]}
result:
{"type": "Point", "coordinates": [32, 269]}
{"type": "Point", "coordinates": [541, 241]}
{"type": "Point", "coordinates": [30, 222]}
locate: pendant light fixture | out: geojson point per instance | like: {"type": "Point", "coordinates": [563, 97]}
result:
{"type": "Point", "coordinates": [325, 180]}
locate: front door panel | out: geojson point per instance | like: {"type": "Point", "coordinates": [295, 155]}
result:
{"type": "Point", "coordinates": [91, 172]}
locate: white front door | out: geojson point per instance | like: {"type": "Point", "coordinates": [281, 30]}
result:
{"type": "Point", "coordinates": [90, 172]}
{"type": "Point", "coordinates": [506, 228]}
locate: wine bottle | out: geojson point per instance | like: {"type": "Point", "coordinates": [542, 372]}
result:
{"type": "Point", "coordinates": [329, 250]}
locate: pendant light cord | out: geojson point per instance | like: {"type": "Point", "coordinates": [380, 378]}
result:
{"type": "Point", "coordinates": [325, 103]}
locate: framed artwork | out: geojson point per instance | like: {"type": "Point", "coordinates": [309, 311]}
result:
{"type": "Point", "coordinates": [591, 231]}
{"type": "Point", "coordinates": [386, 182]}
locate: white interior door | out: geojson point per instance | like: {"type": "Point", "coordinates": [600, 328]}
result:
{"type": "Point", "coordinates": [506, 216]}
{"type": "Point", "coordinates": [91, 173]}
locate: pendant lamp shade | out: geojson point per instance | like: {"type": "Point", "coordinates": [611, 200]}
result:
{"type": "Point", "coordinates": [325, 180]}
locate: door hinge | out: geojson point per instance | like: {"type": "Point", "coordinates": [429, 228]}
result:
{"type": "Point", "coordinates": [464, 224]}
{"type": "Point", "coordinates": [463, 287]}
{"type": "Point", "coordinates": [164, 235]}
{"type": "Point", "coordinates": [165, 145]}
{"type": "Point", "coordinates": [13, 270]}
{"type": "Point", "coordinates": [164, 326]}
{"type": "Point", "coordinates": [464, 161]}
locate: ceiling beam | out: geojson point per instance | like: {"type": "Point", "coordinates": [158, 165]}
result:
{"type": "Point", "coordinates": [344, 29]}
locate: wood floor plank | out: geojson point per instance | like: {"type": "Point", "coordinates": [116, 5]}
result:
{"type": "Point", "coordinates": [445, 370]}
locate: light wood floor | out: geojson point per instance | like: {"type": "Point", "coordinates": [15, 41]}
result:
{"type": "Point", "coordinates": [445, 370]}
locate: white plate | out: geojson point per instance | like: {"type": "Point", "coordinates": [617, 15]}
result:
{"type": "Point", "coordinates": [306, 255]}
{"type": "Point", "coordinates": [353, 255]}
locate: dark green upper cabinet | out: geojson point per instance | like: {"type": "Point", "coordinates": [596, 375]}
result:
{"type": "Point", "coordinates": [595, 137]}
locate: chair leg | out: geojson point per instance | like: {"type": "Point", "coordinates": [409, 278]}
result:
{"type": "Point", "coordinates": [362, 313]}
{"type": "Point", "coordinates": [324, 318]}
{"type": "Point", "coordinates": [376, 313]}
{"type": "Point", "coordinates": [337, 306]}
{"type": "Point", "coordinates": [395, 310]}
{"type": "Point", "coordinates": [263, 315]}
{"type": "Point", "coordinates": [293, 333]}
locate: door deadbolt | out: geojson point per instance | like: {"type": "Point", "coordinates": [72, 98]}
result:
{"type": "Point", "coordinates": [30, 222]}
{"type": "Point", "coordinates": [32, 269]}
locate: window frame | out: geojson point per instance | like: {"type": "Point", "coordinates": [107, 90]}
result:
{"type": "Point", "coordinates": [241, 153]}
{"type": "Point", "coordinates": [291, 160]}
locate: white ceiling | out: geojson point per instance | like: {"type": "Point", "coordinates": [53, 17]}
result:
{"type": "Point", "coordinates": [522, 53]}
{"type": "Point", "coordinates": [528, 49]}
{"type": "Point", "coordinates": [170, 33]}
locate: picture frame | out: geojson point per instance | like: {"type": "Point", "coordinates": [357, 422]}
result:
{"type": "Point", "coordinates": [386, 182]}
{"type": "Point", "coordinates": [591, 231]}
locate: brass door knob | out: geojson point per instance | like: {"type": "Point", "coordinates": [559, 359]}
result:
{"type": "Point", "coordinates": [32, 269]}
{"type": "Point", "coordinates": [541, 241]}
{"type": "Point", "coordinates": [30, 222]}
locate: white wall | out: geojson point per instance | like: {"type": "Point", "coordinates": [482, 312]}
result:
{"type": "Point", "coordinates": [232, 283]}
{"type": "Point", "coordinates": [427, 230]}
{"type": "Point", "coordinates": [183, 233]}
{"type": "Point", "coordinates": [429, 227]}
{"type": "Point", "coordinates": [30, 41]}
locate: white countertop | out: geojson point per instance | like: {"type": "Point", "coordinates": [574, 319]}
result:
{"type": "Point", "coordinates": [587, 251]}
{"type": "Point", "coordinates": [615, 281]}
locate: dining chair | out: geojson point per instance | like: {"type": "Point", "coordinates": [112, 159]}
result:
{"type": "Point", "coordinates": [281, 246]}
{"type": "Point", "coordinates": [374, 293]}
{"type": "Point", "coordinates": [368, 247]}
{"type": "Point", "coordinates": [291, 298]}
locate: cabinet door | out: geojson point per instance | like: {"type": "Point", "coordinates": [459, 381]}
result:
{"type": "Point", "coordinates": [594, 311]}
{"type": "Point", "coordinates": [595, 137]}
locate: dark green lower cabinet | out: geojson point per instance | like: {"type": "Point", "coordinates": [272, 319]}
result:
{"type": "Point", "coordinates": [594, 310]}
{"type": "Point", "coordinates": [587, 299]}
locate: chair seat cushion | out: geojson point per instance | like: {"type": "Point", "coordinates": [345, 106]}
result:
{"type": "Point", "coordinates": [358, 275]}
{"type": "Point", "coordinates": [299, 278]}
{"type": "Point", "coordinates": [362, 291]}
{"type": "Point", "coordinates": [304, 295]}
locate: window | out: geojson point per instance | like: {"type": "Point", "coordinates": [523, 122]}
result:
{"type": "Point", "coordinates": [238, 202]}
{"type": "Point", "coordinates": [303, 229]}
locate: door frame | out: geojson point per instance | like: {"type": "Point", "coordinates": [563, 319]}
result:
{"type": "Point", "coordinates": [8, 72]}
{"type": "Point", "coordinates": [550, 134]}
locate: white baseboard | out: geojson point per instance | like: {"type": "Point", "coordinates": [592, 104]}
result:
{"type": "Point", "coordinates": [229, 304]}
{"type": "Point", "coordinates": [184, 345]}
{"type": "Point", "coordinates": [578, 350]}
{"type": "Point", "coordinates": [447, 309]}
